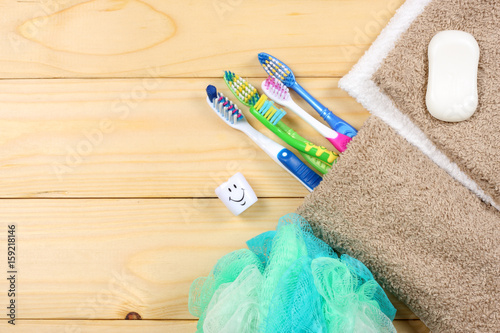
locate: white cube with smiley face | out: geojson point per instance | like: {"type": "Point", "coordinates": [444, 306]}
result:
{"type": "Point", "coordinates": [236, 194]}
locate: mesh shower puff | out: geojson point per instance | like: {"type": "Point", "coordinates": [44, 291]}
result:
{"type": "Point", "coordinates": [235, 306]}
{"type": "Point", "coordinates": [293, 242]}
{"type": "Point", "coordinates": [286, 250]}
{"type": "Point", "coordinates": [290, 281]}
{"type": "Point", "coordinates": [227, 269]}
{"type": "Point", "coordinates": [296, 305]}
{"type": "Point", "coordinates": [316, 248]}
{"type": "Point", "coordinates": [261, 246]}
{"type": "Point", "coordinates": [364, 275]}
{"type": "Point", "coordinates": [348, 305]}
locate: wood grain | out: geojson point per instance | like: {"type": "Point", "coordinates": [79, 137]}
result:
{"type": "Point", "coordinates": [149, 326]}
{"type": "Point", "coordinates": [102, 326]}
{"type": "Point", "coordinates": [101, 259]}
{"type": "Point", "coordinates": [126, 38]}
{"type": "Point", "coordinates": [109, 155]}
{"type": "Point", "coordinates": [138, 138]}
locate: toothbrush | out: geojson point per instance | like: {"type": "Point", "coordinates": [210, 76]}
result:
{"type": "Point", "coordinates": [278, 92]}
{"type": "Point", "coordinates": [241, 89]}
{"type": "Point", "coordinates": [249, 96]}
{"type": "Point", "coordinates": [270, 116]}
{"type": "Point", "coordinates": [228, 111]}
{"type": "Point", "coordinates": [282, 72]}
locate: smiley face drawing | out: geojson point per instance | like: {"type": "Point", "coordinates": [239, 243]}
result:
{"type": "Point", "coordinates": [235, 189]}
{"type": "Point", "coordinates": [236, 194]}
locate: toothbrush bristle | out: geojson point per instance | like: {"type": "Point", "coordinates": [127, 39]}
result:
{"type": "Point", "coordinates": [227, 110]}
{"type": "Point", "coordinates": [268, 110]}
{"type": "Point", "coordinates": [276, 88]}
{"type": "Point", "coordinates": [241, 88]}
{"type": "Point", "coordinates": [274, 67]}
{"type": "Point", "coordinates": [229, 75]}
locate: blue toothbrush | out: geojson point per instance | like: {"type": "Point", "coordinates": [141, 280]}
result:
{"type": "Point", "coordinates": [282, 72]}
{"type": "Point", "coordinates": [232, 116]}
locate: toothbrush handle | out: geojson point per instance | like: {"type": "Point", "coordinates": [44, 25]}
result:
{"type": "Point", "coordinates": [335, 122]}
{"type": "Point", "coordinates": [295, 166]}
{"type": "Point", "coordinates": [338, 140]}
{"type": "Point", "coordinates": [284, 157]}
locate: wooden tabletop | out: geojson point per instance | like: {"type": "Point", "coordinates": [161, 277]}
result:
{"type": "Point", "coordinates": [110, 155]}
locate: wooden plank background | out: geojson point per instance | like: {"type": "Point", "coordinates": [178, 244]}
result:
{"type": "Point", "coordinates": [109, 155]}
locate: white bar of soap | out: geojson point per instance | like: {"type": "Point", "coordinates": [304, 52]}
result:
{"type": "Point", "coordinates": [452, 83]}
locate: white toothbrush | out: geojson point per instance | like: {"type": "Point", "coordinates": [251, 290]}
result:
{"type": "Point", "coordinates": [278, 92]}
{"type": "Point", "coordinates": [232, 116]}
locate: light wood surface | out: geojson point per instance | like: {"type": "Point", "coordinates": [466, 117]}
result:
{"type": "Point", "coordinates": [109, 155]}
{"type": "Point", "coordinates": [82, 138]}
{"type": "Point", "coordinates": [149, 326]}
{"type": "Point", "coordinates": [129, 38]}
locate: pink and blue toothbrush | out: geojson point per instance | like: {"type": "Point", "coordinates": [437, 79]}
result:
{"type": "Point", "coordinates": [282, 72]}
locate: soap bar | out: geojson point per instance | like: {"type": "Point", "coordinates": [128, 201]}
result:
{"type": "Point", "coordinates": [452, 83]}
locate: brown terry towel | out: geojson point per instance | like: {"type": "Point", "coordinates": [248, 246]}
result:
{"type": "Point", "coordinates": [427, 239]}
{"type": "Point", "coordinates": [474, 145]}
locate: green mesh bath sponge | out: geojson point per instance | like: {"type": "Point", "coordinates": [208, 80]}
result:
{"type": "Point", "coordinates": [289, 281]}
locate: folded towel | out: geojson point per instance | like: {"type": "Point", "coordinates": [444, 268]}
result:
{"type": "Point", "coordinates": [427, 239]}
{"type": "Point", "coordinates": [391, 80]}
